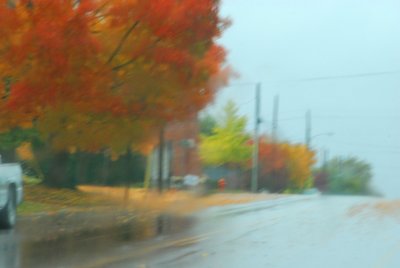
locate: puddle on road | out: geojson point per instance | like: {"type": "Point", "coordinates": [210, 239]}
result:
{"type": "Point", "coordinates": [83, 247]}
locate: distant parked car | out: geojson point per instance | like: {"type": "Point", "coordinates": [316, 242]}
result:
{"type": "Point", "coordinates": [312, 191]}
{"type": "Point", "coordinates": [191, 180]}
{"type": "Point", "coordinates": [11, 193]}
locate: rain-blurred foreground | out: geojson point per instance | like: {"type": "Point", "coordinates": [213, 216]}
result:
{"type": "Point", "coordinates": [296, 231]}
{"type": "Point", "coordinates": [316, 232]}
{"type": "Point", "coordinates": [98, 221]}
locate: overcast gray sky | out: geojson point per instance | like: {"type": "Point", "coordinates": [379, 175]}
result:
{"type": "Point", "coordinates": [278, 42]}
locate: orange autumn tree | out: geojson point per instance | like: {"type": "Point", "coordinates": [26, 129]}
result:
{"type": "Point", "coordinates": [272, 170]}
{"type": "Point", "coordinates": [92, 75]}
{"type": "Point", "coordinates": [284, 166]}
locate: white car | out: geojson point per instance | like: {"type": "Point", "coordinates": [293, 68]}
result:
{"type": "Point", "coordinates": [11, 193]}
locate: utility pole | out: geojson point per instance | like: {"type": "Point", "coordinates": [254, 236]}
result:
{"type": "Point", "coordinates": [308, 129]}
{"type": "Point", "coordinates": [254, 174]}
{"type": "Point", "coordinates": [161, 160]}
{"type": "Point", "coordinates": [275, 118]}
{"type": "Point", "coordinates": [325, 158]}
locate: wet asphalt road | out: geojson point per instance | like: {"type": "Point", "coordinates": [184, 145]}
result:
{"type": "Point", "coordinates": [311, 232]}
{"type": "Point", "coordinates": [320, 232]}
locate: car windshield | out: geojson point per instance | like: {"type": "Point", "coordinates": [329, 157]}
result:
{"type": "Point", "coordinates": [187, 133]}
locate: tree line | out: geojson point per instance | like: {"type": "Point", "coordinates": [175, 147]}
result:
{"type": "Point", "coordinates": [283, 166]}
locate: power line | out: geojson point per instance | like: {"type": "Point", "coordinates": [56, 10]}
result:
{"type": "Point", "coordinates": [341, 117]}
{"type": "Point", "coordinates": [365, 145]}
{"type": "Point", "coordinates": [369, 149]}
{"type": "Point", "coordinates": [379, 152]}
{"type": "Point", "coordinates": [346, 76]}
{"type": "Point", "coordinates": [365, 116]}
{"type": "Point", "coordinates": [368, 144]}
{"type": "Point", "coordinates": [320, 78]}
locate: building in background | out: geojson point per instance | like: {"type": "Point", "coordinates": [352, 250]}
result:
{"type": "Point", "coordinates": [180, 156]}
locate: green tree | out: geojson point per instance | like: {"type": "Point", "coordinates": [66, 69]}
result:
{"type": "Point", "coordinates": [228, 144]}
{"type": "Point", "coordinates": [13, 138]}
{"type": "Point", "coordinates": [207, 124]}
{"type": "Point", "coordinates": [348, 176]}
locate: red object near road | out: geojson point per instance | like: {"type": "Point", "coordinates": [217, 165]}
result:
{"type": "Point", "coordinates": [221, 184]}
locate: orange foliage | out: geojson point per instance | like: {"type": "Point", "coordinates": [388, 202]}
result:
{"type": "Point", "coordinates": [283, 165]}
{"type": "Point", "coordinates": [107, 73]}
{"type": "Point", "coordinates": [24, 152]}
{"type": "Point", "coordinates": [299, 162]}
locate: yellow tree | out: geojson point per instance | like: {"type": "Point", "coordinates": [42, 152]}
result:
{"type": "Point", "coordinates": [299, 161]}
{"type": "Point", "coordinates": [228, 144]}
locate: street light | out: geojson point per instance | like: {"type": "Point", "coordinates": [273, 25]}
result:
{"type": "Point", "coordinates": [323, 134]}
{"type": "Point", "coordinates": [328, 134]}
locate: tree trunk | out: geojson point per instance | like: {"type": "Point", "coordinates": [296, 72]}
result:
{"type": "Point", "coordinates": [105, 169]}
{"type": "Point", "coordinates": [59, 174]}
{"type": "Point", "coordinates": [56, 169]}
{"type": "Point", "coordinates": [161, 160]}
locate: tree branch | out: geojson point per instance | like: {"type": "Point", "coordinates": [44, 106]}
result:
{"type": "Point", "coordinates": [100, 8]}
{"type": "Point", "coordinates": [122, 41]}
{"type": "Point", "coordinates": [117, 67]}
{"type": "Point", "coordinates": [122, 65]}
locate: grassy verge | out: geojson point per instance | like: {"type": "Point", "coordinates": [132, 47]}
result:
{"type": "Point", "coordinates": [175, 201]}
{"type": "Point", "coordinates": [41, 199]}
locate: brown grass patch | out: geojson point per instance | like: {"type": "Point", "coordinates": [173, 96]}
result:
{"type": "Point", "coordinates": [388, 208]}
{"type": "Point", "coordinates": [38, 198]}
{"type": "Point", "coordinates": [380, 208]}
{"type": "Point", "coordinates": [173, 201]}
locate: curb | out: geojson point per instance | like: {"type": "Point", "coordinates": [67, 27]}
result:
{"type": "Point", "coordinates": [230, 210]}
